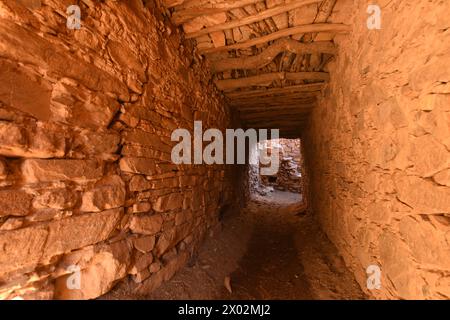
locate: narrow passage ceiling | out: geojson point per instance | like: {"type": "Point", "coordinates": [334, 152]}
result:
{"type": "Point", "coordinates": [268, 57]}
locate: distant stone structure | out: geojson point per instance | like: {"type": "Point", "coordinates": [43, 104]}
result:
{"type": "Point", "coordinates": [289, 175]}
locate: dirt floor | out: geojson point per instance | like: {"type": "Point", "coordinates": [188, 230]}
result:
{"type": "Point", "coordinates": [267, 252]}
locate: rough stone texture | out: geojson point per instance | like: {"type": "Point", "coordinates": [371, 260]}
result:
{"type": "Point", "coordinates": [85, 123]}
{"type": "Point", "coordinates": [146, 224]}
{"type": "Point", "coordinates": [14, 202]}
{"type": "Point", "coordinates": [81, 171]}
{"type": "Point", "coordinates": [378, 148]}
{"type": "Point", "coordinates": [108, 193]}
{"type": "Point", "coordinates": [27, 247]}
{"type": "Point", "coordinates": [99, 274]}
{"type": "Point", "coordinates": [288, 177]}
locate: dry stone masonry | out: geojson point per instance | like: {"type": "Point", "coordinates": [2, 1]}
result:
{"type": "Point", "coordinates": [378, 149]}
{"type": "Point", "coordinates": [288, 177]}
{"type": "Point", "coordinates": [86, 181]}
{"type": "Point", "coordinates": [89, 196]}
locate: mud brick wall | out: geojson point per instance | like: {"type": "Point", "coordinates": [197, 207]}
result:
{"type": "Point", "coordinates": [378, 149]}
{"type": "Point", "coordinates": [86, 178]}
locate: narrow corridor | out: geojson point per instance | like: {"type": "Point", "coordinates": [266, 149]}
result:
{"type": "Point", "coordinates": [269, 251]}
{"type": "Point", "coordinates": [135, 160]}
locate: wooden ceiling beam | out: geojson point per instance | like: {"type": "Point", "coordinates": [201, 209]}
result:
{"type": "Point", "coordinates": [274, 97]}
{"type": "Point", "coordinates": [292, 130]}
{"type": "Point", "coordinates": [279, 104]}
{"type": "Point", "coordinates": [262, 109]}
{"type": "Point", "coordinates": [193, 9]}
{"type": "Point", "coordinates": [312, 89]}
{"type": "Point", "coordinates": [325, 9]}
{"type": "Point", "coordinates": [278, 123]}
{"type": "Point", "coordinates": [301, 97]}
{"type": "Point", "coordinates": [260, 16]}
{"type": "Point", "coordinates": [263, 59]}
{"type": "Point", "coordinates": [282, 118]}
{"type": "Point", "coordinates": [279, 108]}
{"type": "Point", "coordinates": [293, 127]}
{"type": "Point", "coordinates": [317, 27]}
{"type": "Point", "coordinates": [296, 128]}
{"type": "Point", "coordinates": [265, 117]}
{"type": "Point", "coordinates": [267, 79]}
{"type": "Point", "coordinates": [273, 103]}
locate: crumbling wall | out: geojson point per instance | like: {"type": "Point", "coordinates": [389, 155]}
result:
{"type": "Point", "coordinates": [378, 148]}
{"type": "Point", "coordinates": [87, 186]}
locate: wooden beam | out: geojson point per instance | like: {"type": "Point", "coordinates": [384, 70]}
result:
{"type": "Point", "coordinates": [291, 97]}
{"type": "Point", "coordinates": [318, 27]}
{"type": "Point", "coordinates": [301, 97]}
{"type": "Point", "coordinates": [296, 107]}
{"type": "Point", "coordinates": [299, 110]}
{"type": "Point", "coordinates": [193, 9]}
{"type": "Point", "coordinates": [274, 124]}
{"type": "Point", "coordinates": [292, 116]}
{"type": "Point", "coordinates": [279, 120]}
{"type": "Point", "coordinates": [292, 127]}
{"type": "Point", "coordinates": [308, 88]}
{"type": "Point", "coordinates": [267, 79]}
{"type": "Point", "coordinates": [271, 115]}
{"type": "Point", "coordinates": [287, 129]}
{"type": "Point", "coordinates": [298, 76]}
{"type": "Point", "coordinates": [272, 105]}
{"type": "Point", "coordinates": [279, 125]}
{"type": "Point", "coordinates": [266, 14]}
{"type": "Point", "coordinates": [272, 102]}
{"type": "Point", "coordinates": [262, 109]}
{"type": "Point", "coordinates": [264, 80]}
{"type": "Point", "coordinates": [325, 10]}
{"type": "Point", "coordinates": [261, 60]}
{"type": "Point", "coordinates": [280, 104]}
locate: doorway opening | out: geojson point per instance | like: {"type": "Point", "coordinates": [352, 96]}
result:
{"type": "Point", "coordinates": [287, 184]}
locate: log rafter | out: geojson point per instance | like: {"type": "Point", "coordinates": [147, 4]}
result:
{"type": "Point", "coordinates": [294, 116]}
{"type": "Point", "coordinates": [274, 106]}
{"type": "Point", "coordinates": [188, 12]}
{"type": "Point", "coordinates": [266, 58]}
{"type": "Point", "coordinates": [325, 10]}
{"type": "Point", "coordinates": [277, 91]}
{"type": "Point", "coordinates": [260, 16]}
{"type": "Point", "coordinates": [317, 27]}
{"type": "Point", "coordinates": [273, 103]}
{"type": "Point", "coordinates": [268, 78]}
{"type": "Point", "coordinates": [261, 60]}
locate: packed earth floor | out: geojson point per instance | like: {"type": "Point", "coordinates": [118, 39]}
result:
{"type": "Point", "coordinates": [269, 251]}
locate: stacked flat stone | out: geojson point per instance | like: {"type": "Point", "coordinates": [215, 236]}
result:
{"type": "Point", "coordinates": [288, 177]}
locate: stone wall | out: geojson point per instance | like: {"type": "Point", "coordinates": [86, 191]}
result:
{"type": "Point", "coordinates": [288, 177]}
{"type": "Point", "coordinates": [378, 148]}
{"type": "Point", "coordinates": [87, 186]}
